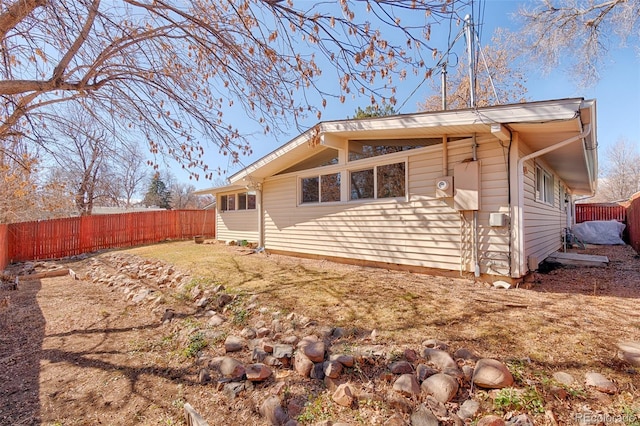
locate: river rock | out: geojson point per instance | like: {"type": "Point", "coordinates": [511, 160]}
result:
{"type": "Point", "coordinates": [231, 368]}
{"type": "Point", "coordinates": [564, 378]}
{"type": "Point", "coordinates": [468, 409]}
{"type": "Point", "coordinates": [271, 409]}
{"type": "Point", "coordinates": [424, 417]}
{"type": "Point", "coordinates": [600, 383]}
{"type": "Point", "coordinates": [439, 358]}
{"type": "Point", "coordinates": [344, 395]}
{"type": "Point", "coordinates": [441, 386]}
{"type": "Point", "coordinates": [257, 372]}
{"type": "Point", "coordinates": [407, 384]}
{"type": "Point", "coordinates": [492, 374]}
{"type": "Point", "coordinates": [302, 364]}
{"type": "Point", "coordinates": [630, 352]}
{"type": "Point", "coordinates": [401, 367]}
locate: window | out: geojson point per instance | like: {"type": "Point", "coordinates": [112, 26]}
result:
{"type": "Point", "coordinates": [326, 157]}
{"type": "Point", "coordinates": [362, 184]}
{"type": "Point", "coordinates": [330, 188]}
{"type": "Point", "coordinates": [391, 180]}
{"type": "Point", "coordinates": [246, 201]}
{"type": "Point", "coordinates": [224, 202]}
{"type": "Point", "coordinates": [359, 149]}
{"type": "Point", "coordinates": [324, 188]}
{"type": "Point", "coordinates": [385, 181]}
{"type": "Point", "coordinates": [544, 186]}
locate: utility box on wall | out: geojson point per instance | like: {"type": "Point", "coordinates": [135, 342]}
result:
{"type": "Point", "coordinates": [466, 195]}
{"type": "Point", "coordinates": [444, 187]}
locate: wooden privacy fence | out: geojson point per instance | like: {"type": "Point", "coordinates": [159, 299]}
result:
{"type": "Point", "coordinates": [4, 246]}
{"type": "Point", "coordinates": [51, 239]}
{"type": "Point", "coordinates": [633, 222]}
{"type": "Point", "coordinates": [588, 212]}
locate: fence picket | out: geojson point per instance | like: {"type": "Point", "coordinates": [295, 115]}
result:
{"type": "Point", "coordinates": [588, 212]}
{"type": "Point", "coordinates": [59, 238]}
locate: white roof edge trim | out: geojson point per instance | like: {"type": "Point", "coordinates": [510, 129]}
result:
{"type": "Point", "coordinates": [559, 109]}
{"type": "Point", "coordinates": [218, 189]}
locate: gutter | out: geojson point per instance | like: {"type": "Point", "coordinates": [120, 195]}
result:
{"type": "Point", "coordinates": [521, 264]}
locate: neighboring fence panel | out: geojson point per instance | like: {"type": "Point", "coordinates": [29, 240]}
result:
{"type": "Point", "coordinates": [633, 223]}
{"type": "Point", "coordinates": [58, 238]}
{"type": "Point", "coordinates": [4, 246]}
{"type": "Point", "coordinates": [588, 212]}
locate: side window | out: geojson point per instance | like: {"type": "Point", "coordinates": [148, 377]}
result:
{"type": "Point", "coordinates": [224, 203]}
{"type": "Point", "coordinates": [391, 180]}
{"type": "Point", "coordinates": [320, 189]}
{"type": "Point", "coordinates": [246, 201]}
{"type": "Point", "coordinates": [384, 181]}
{"type": "Point", "coordinates": [362, 186]}
{"type": "Point", "coordinates": [544, 186]}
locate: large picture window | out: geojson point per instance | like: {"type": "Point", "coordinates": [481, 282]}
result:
{"type": "Point", "coordinates": [385, 181]}
{"type": "Point", "coordinates": [323, 188]}
{"type": "Point", "coordinates": [544, 186]}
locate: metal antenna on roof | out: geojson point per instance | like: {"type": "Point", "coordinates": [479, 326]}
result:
{"type": "Point", "coordinates": [471, 59]}
{"type": "Point", "coordinates": [444, 86]}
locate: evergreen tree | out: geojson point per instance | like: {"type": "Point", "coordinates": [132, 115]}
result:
{"type": "Point", "coordinates": [375, 111]}
{"type": "Point", "coordinates": [158, 194]}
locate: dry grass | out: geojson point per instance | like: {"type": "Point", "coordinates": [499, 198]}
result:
{"type": "Point", "coordinates": [555, 330]}
{"type": "Point", "coordinates": [84, 354]}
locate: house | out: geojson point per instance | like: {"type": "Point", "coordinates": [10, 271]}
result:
{"type": "Point", "coordinates": [487, 191]}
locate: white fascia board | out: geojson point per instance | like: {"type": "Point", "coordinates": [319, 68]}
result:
{"type": "Point", "coordinates": [535, 112]}
{"type": "Point", "coordinates": [218, 189]}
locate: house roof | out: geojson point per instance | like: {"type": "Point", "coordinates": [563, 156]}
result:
{"type": "Point", "coordinates": [539, 125]}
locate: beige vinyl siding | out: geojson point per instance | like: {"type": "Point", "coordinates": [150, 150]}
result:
{"type": "Point", "coordinates": [237, 225]}
{"type": "Point", "coordinates": [419, 231]}
{"type": "Point", "coordinates": [543, 222]}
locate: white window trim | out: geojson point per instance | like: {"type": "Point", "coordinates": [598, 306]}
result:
{"type": "Point", "coordinates": [375, 166]}
{"type": "Point", "coordinates": [544, 192]}
{"type": "Point", "coordinates": [345, 181]}
{"type": "Point", "coordinates": [236, 196]}
{"type": "Point", "coordinates": [300, 203]}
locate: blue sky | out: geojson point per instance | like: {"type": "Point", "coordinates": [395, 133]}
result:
{"type": "Point", "coordinates": [617, 93]}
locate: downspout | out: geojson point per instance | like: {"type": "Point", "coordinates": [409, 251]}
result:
{"type": "Point", "coordinates": [521, 259]}
{"type": "Point", "coordinates": [445, 156]}
{"type": "Point", "coordinates": [260, 217]}
{"type": "Point", "coordinates": [476, 255]}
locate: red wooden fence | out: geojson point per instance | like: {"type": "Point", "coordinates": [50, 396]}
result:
{"type": "Point", "coordinates": [633, 222]}
{"type": "Point", "coordinates": [4, 246]}
{"type": "Point", "coordinates": [587, 212]}
{"type": "Point", "coordinates": [58, 238]}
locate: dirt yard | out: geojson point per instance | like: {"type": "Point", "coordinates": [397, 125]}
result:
{"type": "Point", "coordinates": [84, 352]}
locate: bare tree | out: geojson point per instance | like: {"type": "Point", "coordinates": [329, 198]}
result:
{"type": "Point", "coordinates": [129, 171]}
{"type": "Point", "coordinates": [576, 33]}
{"type": "Point", "coordinates": [83, 153]}
{"type": "Point", "coordinates": [23, 197]}
{"type": "Point", "coordinates": [621, 174]}
{"type": "Point", "coordinates": [183, 197]}
{"type": "Point", "coordinates": [172, 71]}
